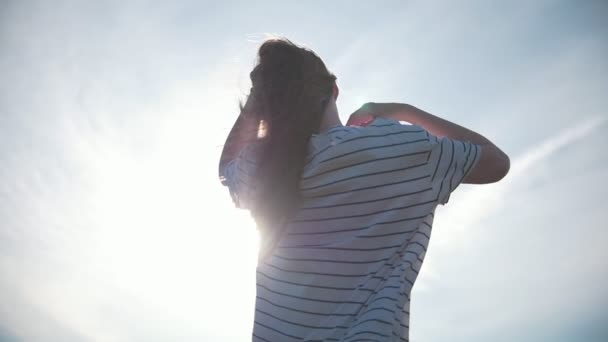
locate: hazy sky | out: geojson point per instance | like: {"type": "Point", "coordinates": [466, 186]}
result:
{"type": "Point", "coordinates": [114, 227]}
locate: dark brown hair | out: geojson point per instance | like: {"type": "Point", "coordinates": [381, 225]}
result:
{"type": "Point", "coordinates": [291, 87]}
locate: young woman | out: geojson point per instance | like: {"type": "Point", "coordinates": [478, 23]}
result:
{"type": "Point", "coordinates": [344, 212]}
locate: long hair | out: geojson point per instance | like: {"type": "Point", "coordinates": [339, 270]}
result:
{"type": "Point", "coordinates": [291, 87]}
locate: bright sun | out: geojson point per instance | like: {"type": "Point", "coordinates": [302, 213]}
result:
{"type": "Point", "coordinates": [167, 232]}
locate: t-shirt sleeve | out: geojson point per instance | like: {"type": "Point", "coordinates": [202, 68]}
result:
{"type": "Point", "coordinates": [450, 161]}
{"type": "Point", "coordinates": [238, 176]}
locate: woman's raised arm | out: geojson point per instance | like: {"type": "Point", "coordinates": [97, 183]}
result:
{"type": "Point", "coordinates": [493, 164]}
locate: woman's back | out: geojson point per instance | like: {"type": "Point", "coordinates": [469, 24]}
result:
{"type": "Point", "coordinates": [344, 266]}
{"type": "Point", "coordinates": [345, 213]}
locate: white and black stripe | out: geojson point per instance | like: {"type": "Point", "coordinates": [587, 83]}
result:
{"type": "Point", "coordinates": [345, 266]}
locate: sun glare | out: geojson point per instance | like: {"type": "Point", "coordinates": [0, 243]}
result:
{"type": "Point", "coordinates": [167, 233]}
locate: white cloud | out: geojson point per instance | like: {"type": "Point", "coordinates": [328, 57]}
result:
{"type": "Point", "coordinates": [480, 202]}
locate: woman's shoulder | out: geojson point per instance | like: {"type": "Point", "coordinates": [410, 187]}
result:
{"type": "Point", "coordinates": [381, 138]}
{"type": "Point", "coordinates": [378, 127]}
{"type": "Point", "coordinates": [357, 156]}
{"type": "Point", "coordinates": [389, 125]}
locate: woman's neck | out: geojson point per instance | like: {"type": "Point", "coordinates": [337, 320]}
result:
{"type": "Point", "coordinates": [331, 118]}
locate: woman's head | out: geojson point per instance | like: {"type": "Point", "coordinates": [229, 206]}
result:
{"type": "Point", "coordinates": [286, 75]}
{"type": "Point", "coordinates": [291, 88]}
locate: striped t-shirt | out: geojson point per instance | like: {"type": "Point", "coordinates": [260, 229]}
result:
{"type": "Point", "coordinates": [344, 266]}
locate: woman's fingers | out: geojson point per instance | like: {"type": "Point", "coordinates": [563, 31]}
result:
{"type": "Point", "coordinates": [362, 120]}
{"type": "Point", "coordinates": [361, 117]}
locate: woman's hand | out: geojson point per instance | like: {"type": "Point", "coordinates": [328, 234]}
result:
{"type": "Point", "coordinates": [362, 116]}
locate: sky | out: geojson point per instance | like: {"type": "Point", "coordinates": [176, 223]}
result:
{"type": "Point", "coordinates": [114, 227]}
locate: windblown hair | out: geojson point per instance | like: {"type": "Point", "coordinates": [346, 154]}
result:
{"type": "Point", "coordinates": [291, 87]}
